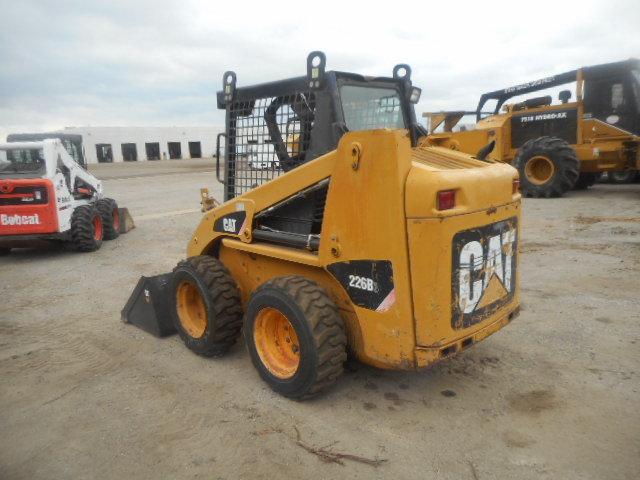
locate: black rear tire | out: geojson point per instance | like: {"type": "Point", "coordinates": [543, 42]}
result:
{"type": "Point", "coordinates": [586, 180]}
{"type": "Point", "coordinates": [206, 282]}
{"type": "Point", "coordinates": [110, 214]}
{"type": "Point", "coordinates": [622, 177]}
{"type": "Point", "coordinates": [4, 251]}
{"type": "Point", "coordinates": [563, 171]}
{"type": "Point", "coordinates": [86, 229]}
{"type": "Point", "coordinates": [319, 329]}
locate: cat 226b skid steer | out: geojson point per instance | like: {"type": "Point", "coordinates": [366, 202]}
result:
{"type": "Point", "coordinates": [338, 233]}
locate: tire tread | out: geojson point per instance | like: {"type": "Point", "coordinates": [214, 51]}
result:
{"type": "Point", "coordinates": [82, 229]}
{"type": "Point", "coordinates": [566, 162]}
{"type": "Point", "coordinates": [105, 207]}
{"type": "Point", "coordinates": [225, 300]}
{"type": "Point", "coordinates": [326, 325]}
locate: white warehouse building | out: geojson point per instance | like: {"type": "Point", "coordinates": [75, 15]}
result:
{"type": "Point", "coordinates": [128, 144]}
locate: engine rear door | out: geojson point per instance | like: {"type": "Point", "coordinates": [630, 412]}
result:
{"type": "Point", "coordinates": [464, 272]}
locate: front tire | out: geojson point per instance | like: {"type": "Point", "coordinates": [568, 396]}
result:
{"type": "Point", "coordinates": [206, 306]}
{"type": "Point", "coordinates": [548, 167]}
{"type": "Point", "coordinates": [295, 336]}
{"type": "Point", "coordinates": [4, 251]}
{"type": "Point", "coordinates": [86, 229]}
{"type": "Point", "coordinates": [110, 214]}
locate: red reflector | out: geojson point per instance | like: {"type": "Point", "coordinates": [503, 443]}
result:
{"type": "Point", "coordinates": [446, 200]}
{"type": "Point", "coordinates": [516, 186]}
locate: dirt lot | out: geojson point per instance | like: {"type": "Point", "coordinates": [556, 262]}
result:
{"type": "Point", "coordinates": [554, 395]}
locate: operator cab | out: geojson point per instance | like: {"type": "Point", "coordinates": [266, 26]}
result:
{"type": "Point", "coordinates": [27, 162]}
{"type": "Point", "coordinates": [612, 94]}
{"type": "Point", "coordinates": [31, 160]}
{"type": "Point", "coordinates": [72, 143]}
{"type": "Point", "coordinates": [277, 126]}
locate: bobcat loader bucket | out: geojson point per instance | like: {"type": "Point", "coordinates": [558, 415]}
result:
{"type": "Point", "coordinates": [148, 306]}
{"type": "Point", "coordinates": [126, 220]}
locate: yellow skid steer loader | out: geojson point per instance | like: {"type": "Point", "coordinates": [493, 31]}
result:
{"type": "Point", "coordinates": [339, 234]}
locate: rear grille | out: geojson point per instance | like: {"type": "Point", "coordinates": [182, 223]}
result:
{"type": "Point", "coordinates": [24, 196]}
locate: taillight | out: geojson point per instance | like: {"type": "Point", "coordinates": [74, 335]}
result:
{"type": "Point", "coordinates": [446, 200]}
{"type": "Point", "coordinates": [516, 186]}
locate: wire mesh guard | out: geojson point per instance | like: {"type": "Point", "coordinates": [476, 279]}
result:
{"type": "Point", "coordinates": [267, 137]}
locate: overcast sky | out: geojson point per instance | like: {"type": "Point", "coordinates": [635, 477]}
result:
{"type": "Point", "coordinates": [127, 62]}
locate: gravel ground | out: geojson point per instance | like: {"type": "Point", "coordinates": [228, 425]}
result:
{"type": "Point", "coordinates": [553, 395]}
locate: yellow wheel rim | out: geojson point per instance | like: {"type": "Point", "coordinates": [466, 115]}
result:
{"type": "Point", "coordinates": [539, 170]}
{"type": "Point", "coordinates": [192, 310]}
{"type": "Point", "coordinates": [277, 343]}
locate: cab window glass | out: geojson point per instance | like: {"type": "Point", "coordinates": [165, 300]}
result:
{"type": "Point", "coordinates": [370, 108]}
{"type": "Point", "coordinates": [636, 87]}
{"type": "Point", "coordinates": [22, 162]}
{"type": "Point", "coordinates": [617, 96]}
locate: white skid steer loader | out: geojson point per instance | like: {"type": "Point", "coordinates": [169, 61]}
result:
{"type": "Point", "coordinates": [46, 195]}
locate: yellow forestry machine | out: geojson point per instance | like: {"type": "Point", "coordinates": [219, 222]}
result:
{"type": "Point", "coordinates": [339, 233]}
{"type": "Point", "coordinates": [557, 147]}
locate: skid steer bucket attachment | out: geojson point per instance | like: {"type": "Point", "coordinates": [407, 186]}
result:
{"type": "Point", "coordinates": [126, 220]}
{"type": "Point", "coordinates": [148, 308]}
